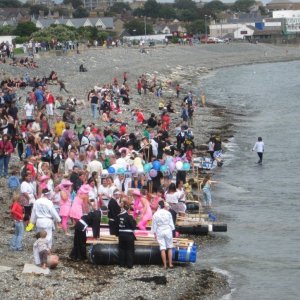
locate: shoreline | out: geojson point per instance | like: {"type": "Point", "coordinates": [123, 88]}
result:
{"type": "Point", "coordinates": [107, 280]}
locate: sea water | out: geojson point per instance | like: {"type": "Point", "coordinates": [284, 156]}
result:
{"type": "Point", "coordinates": [260, 253]}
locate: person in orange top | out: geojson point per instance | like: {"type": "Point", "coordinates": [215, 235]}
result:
{"type": "Point", "coordinates": [17, 214]}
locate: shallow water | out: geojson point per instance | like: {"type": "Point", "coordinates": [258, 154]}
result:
{"type": "Point", "coordinates": [260, 202]}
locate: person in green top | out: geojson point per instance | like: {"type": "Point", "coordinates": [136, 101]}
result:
{"type": "Point", "coordinates": [146, 132]}
{"type": "Point", "coordinates": [109, 138]}
{"type": "Point", "coordinates": [79, 128]}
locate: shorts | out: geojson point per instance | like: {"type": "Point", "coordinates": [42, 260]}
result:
{"type": "Point", "coordinates": [176, 207]}
{"type": "Point", "coordinates": [165, 240]}
{"type": "Point", "coordinates": [181, 207]}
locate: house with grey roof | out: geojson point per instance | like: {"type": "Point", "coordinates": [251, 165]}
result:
{"type": "Point", "coordinates": [8, 23]}
{"type": "Point", "coordinates": [103, 23]}
{"type": "Point", "coordinates": [16, 14]}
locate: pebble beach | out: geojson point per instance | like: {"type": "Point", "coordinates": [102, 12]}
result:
{"type": "Point", "coordinates": [171, 65]}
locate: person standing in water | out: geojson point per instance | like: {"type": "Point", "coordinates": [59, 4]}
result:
{"type": "Point", "coordinates": [259, 147]}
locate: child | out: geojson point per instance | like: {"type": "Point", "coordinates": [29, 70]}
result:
{"type": "Point", "coordinates": [65, 203]}
{"type": "Point", "coordinates": [23, 129]}
{"type": "Point", "coordinates": [42, 246]}
{"type": "Point", "coordinates": [13, 182]}
{"type": "Point", "coordinates": [17, 213]}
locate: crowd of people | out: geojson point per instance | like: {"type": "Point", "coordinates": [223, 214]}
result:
{"type": "Point", "coordinates": [72, 174]}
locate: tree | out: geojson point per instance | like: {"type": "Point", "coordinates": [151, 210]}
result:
{"type": "Point", "coordinates": [25, 29]}
{"type": "Point", "coordinates": [136, 27]}
{"type": "Point", "coordinates": [188, 15]}
{"type": "Point", "coordinates": [10, 3]}
{"type": "Point", "coordinates": [243, 5]}
{"type": "Point", "coordinates": [75, 3]}
{"type": "Point", "coordinates": [138, 12]}
{"type": "Point", "coordinates": [151, 8]}
{"type": "Point", "coordinates": [7, 30]}
{"type": "Point", "coordinates": [35, 9]}
{"type": "Point", "coordinates": [61, 33]}
{"type": "Point", "coordinates": [185, 4]}
{"type": "Point", "coordinates": [215, 6]}
{"type": "Point", "coordinates": [167, 11]}
{"type": "Point", "coordinates": [81, 12]}
{"type": "Point", "coordinates": [196, 27]}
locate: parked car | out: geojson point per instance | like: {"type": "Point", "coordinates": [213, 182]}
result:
{"type": "Point", "coordinates": [211, 40]}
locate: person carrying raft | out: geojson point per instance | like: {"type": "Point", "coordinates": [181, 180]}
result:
{"type": "Point", "coordinates": [92, 219]}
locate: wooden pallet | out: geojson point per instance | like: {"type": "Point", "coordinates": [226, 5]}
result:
{"type": "Point", "coordinates": [142, 241]}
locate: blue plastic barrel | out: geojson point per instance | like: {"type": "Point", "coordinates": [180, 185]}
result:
{"type": "Point", "coordinates": [185, 255]}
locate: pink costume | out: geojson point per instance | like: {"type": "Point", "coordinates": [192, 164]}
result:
{"type": "Point", "coordinates": [76, 209]}
{"type": "Point", "coordinates": [138, 208]}
{"type": "Point", "coordinates": [64, 209]}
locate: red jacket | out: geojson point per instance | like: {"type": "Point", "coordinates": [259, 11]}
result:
{"type": "Point", "coordinates": [6, 147]}
{"type": "Point", "coordinates": [165, 118]}
{"type": "Point", "coordinates": [140, 117]}
{"type": "Point", "coordinates": [50, 99]}
{"type": "Point", "coordinates": [17, 211]}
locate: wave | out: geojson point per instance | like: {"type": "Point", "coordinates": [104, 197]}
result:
{"type": "Point", "coordinates": [229, 278]}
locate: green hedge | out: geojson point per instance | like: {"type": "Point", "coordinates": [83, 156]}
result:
{"type": "Point", "coordinates": [22, 39]}
{"type": "Point", "coordinates": [18, 51]}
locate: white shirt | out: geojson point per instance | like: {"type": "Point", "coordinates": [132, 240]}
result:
{"type": "Point", "coordinates": [69, 164]}
{"type": "Point", "coordinates": [84, 143]}
{"type": "Point", "coordinates": [154, 147]}
{"type": "Point", "coordinates": [36, 128]}
{"type": "Point", "coordinates": [28, 188]}
{"type": "Point", "coordinates": [95, 166]}
{"type": "Point", "coordinates": [259, 147]}
{"type": "Point", "coordinates": [43, 213]}
{"type": "Point", "coordinates": [162, 221]}
{"type": "Point", "coordinates": [108, 152]}
{"type": "Point", "coordinates": [29, 108]}
{"type": "Point", "coordinates": [172, 198]}
{"type": "Point", "coordinates": [104, 191]}
{"type": "Point", "coordinates": [93, 193]}
{"type": "Point", "coordinates": [118, 184]}
{"type": "Point", "coordinates": [122, 163]}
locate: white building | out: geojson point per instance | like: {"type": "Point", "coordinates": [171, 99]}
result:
{"type": "Point", "coordinates": [291, 20]}
{"type": "Point", "coordinates": [7, 39]}
{"type": "Point", "coordinates": [237, 31]}
{"type": "Point", "coordinates": [96, 4]}
{"type": "Point", "coordinates": [286, 14]}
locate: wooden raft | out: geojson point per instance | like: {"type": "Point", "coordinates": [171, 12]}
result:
{"type": "Point", "coordinates": [141, 241]}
